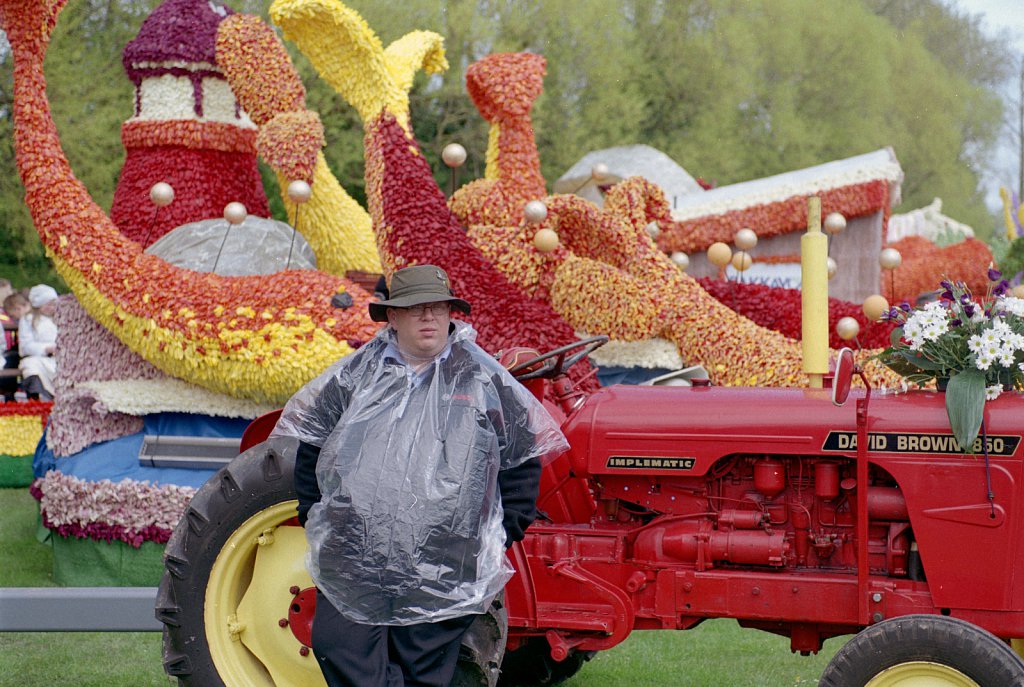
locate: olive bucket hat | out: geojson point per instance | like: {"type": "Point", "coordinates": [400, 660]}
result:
{"type": "Point", "coordinates": [415, 285]}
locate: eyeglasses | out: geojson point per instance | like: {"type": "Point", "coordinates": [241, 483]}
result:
{"type": "Point", "coordinates": [437, 309]}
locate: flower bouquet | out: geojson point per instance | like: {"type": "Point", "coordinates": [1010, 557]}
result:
{"type": "Point", "coordinates": [974, 348]}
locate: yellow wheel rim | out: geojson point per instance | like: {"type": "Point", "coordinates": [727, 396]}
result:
{"type": "Point", "coordinates": [921, 674]}
{"type": "Point", "coordinates": [248, 593]}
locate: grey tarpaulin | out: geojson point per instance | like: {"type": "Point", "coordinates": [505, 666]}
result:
{"type": "Point", "coordinates": [256, 246]}
{"type": "Point", "coordinates": [409, 525]}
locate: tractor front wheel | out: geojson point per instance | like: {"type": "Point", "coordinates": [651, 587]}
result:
{"type": "Point", "coordinates": [236, 600]}
{"type": "Point", "coordinates": [531, 665]}
{"type": "Point", "coordinates": [924, 650]}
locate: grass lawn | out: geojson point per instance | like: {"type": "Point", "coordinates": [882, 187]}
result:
{"type": "Point", "coordinates": [717, 653]}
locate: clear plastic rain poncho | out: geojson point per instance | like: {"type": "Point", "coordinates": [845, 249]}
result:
{"type": "Point", "coordinates": [409, 525]}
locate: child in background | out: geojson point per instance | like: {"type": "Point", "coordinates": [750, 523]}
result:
{"type": "Point", "coordinates": [37, 343]}
{"type": "Point", "coordinates": [15, 306]}
{"type": "Point", "coordinates": [9, 325]}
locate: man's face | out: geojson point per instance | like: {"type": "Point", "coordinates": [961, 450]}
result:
{"type": "Point", "coordinates": [422, 330]}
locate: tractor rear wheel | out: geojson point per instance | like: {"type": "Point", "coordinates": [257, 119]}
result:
{"type": "Point", "coordinates": [531, 664]}
{"type": "Point", "coordinates": [924, 650]}
{"type": "Point", "coordinates": [235, 597]}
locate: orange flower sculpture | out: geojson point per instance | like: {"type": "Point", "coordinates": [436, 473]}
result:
{"type": "Point", "coordinates": [251, 337]}
{"type": "Point", "coordinates": [925, 264]}
{"type": "Point", "coordinates": [504, 86]}
{"type": "Point", "coordinates": [607, 275]}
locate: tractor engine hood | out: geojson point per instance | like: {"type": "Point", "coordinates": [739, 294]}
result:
{"type": "Point", "coordinates": [684, 431]}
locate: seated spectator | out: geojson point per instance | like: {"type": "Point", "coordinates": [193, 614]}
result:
{"type": "Point", "coordinates": [9, 325]}
{"type": "Point", "coordinates": [15, 306]}
{"type": "Point", "coordinates": [37, 343]}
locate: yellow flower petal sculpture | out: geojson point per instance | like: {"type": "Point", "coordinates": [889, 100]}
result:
{"type": "Point", "coordinates": [267, 86]}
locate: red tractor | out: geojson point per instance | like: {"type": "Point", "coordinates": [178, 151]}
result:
{"type": "Point", "coordinates": [780, 508]}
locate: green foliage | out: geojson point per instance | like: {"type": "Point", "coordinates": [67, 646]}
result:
{"type": "Point", "coordinates": [731, 89]}
{"type": "Point", "coordinates": [1012, 263]}
{"type": "Point", "coordinates": [965, 404]}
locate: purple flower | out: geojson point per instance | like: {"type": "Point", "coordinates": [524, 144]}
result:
{"type": "Point", "coordinates": [994, 274]}
{"type": "Point", "coordinates": [904, 306]}
{"type": "Point", "coordinates": [955, 323]}
{"type": "Point", "coordinates": [969, 309]}
{"type": "Point", "coordinates": [1001, 288]}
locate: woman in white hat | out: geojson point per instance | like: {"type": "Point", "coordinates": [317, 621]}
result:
{"type": "Point", "coordinates": [37, 343]}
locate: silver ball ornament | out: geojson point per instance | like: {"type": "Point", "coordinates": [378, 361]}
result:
{"type": "Point", "coordinates": [235, 212]}
{"type": "Point", "coordinates": [535, 211]}
{"type": "Point", "coordinates": [453, 155]}
{"type": "Point", "coordinates": [834, 223]}
{"type": "Point", "coordinates": [653, 230]}
{"type": "Point", "coordinates": [890, 258]}
{"type": "Point", "coordinates": [831, 267]}
{"type": "Point", "coordinates": [599, 171]}
{"type": "Point", "coordinates": [847, 328]}
{"type": "Point", "coordinates": [162, 194]}
{"type": "Point", "coordinates": [681, 259]}
{"type": "Point", "coordinates": [299, 191]}
{"type": "Point", "coordinates": [745, 239]}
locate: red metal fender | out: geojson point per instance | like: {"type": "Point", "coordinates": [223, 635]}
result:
{"type": "Point", "coordinates": [259, 429]}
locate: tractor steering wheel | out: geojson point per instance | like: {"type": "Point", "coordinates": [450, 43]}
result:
{"type": "Point", "coordinates": [558, 360]}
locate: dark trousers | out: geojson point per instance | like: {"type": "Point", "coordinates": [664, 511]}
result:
{"type": "Point", "coordinates": [354, 655]}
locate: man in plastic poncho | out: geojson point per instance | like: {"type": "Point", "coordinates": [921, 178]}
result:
{"type": "Point", "coordinates": [419, 462]}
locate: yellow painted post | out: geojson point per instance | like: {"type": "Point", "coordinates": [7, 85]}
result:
{"type": "Point", "coordinates": [814, 295]}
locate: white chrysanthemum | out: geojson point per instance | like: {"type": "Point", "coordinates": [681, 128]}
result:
{"type": "Point", "coordinates": [975, 344]}
{"type": "Point", "coordinates": [1012, 305]}
{"type": "Point", "coordinates": [991, 337]}
{"type": "Point", "coordinates": [1000, 326]}
{"type": "Point", "coordinates": [984, 361]}
{"type": "Point", "coordinates": [933, 331]}
{"type": "Point", "coordinates": [992, 392]}
{"type": "Point", "coordinates": [914, 333]}
{"type": "Point", "coordinates": [1006, 356]}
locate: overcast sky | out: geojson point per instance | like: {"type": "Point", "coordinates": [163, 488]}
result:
{"type": "Point", "coordinates": [999, 15]}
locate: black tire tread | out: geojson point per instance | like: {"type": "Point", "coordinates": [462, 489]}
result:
{"type": "Point", "coordinates": [262, 475]}
{"type": "Point", "coordinates": [531, 665]}
{"type": "Point", "coordinates": [981, 656]}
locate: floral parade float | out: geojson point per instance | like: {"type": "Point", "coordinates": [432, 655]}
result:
{"type": "Point", "coordinates": [246, 338]}
{"type": "Point", "coordinates": [200, 329]}
{"type": "Point", "coordinates": [255, 339]}
{"type": "Point", "coordinates": [411, 218]}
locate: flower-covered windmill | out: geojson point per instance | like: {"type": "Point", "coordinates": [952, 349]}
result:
{"type": "Point", "coordinates": [186, 128]}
